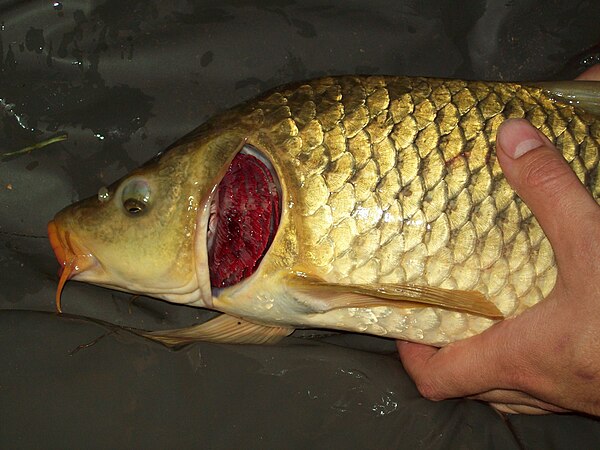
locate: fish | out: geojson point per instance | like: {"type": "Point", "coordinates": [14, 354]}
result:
{"type": "Point", "coordinates": [368, 204]}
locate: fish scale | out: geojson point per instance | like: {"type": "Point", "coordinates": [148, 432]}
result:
{"type": "Point", "coordinates": [396, 219]}
{"type": "Point", "coordinates": [398, 182]}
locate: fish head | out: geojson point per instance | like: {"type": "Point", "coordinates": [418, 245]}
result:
{"type": "Point", "coordinates": [146, 233]}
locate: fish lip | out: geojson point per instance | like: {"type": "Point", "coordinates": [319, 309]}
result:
{"type": "Point", "coordinates": [72, 257]}
{"type": "Point", "coordinates": [66, 247]}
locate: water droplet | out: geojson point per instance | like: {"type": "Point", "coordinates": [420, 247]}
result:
{"type": "Point", "coordinates": [311, 395]}
{"type": "Point", "coordinates": [353, 373]}
{"type": "Point", "coordinates": [387, 406]}
{"type": "Point", "coordinates": [103, 194]}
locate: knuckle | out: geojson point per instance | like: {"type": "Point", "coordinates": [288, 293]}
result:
{"type": "Point", "coordinates": [428, 390]}
{"type": "Point", "coordinates": [520, 377]}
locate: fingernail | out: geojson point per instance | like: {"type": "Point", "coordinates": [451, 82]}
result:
{"type": "Point", "coordinates": [516, 137]}
{"type": "Point", "coordinates": [525, 146]}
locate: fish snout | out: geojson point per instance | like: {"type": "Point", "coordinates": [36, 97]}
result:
{"type": "Point", "coordinates": [72, 257]}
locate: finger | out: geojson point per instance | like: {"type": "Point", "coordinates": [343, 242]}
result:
{"type": "Point", "coordinates": [417, 360]}
{"type": "Point", "coordinates": [544, 180]}
{"type": "Point", "coordinates": [591, 74]}
{"type": "Point", "coordinates": [415, 352]}
{"type": "Point", "coordinates": [507, 408]}
{"type": "Point", "coordinates": [469, 367]}
{"type": "Point", "coordinates": [514, 397]}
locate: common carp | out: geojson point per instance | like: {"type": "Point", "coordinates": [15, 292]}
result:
{"type": "Point", "coordinates": [369, 204]}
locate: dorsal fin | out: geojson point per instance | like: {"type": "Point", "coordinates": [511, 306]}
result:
{"type": "Point", "coordinates": [582, 94]}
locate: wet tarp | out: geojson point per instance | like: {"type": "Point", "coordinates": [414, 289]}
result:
{"type": "Point", "coordinates": [126, 78]}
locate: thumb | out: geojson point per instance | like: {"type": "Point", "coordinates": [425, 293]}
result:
{"type": "Point", "coordinates": [547, 184]}
{"type": "Point", "coordinates": [472, 366]}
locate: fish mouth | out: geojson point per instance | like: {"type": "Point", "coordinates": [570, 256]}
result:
{"type": "Point", "coordinates": [72, 257]}
{"type": "Point", "coordinates": [244, 215]}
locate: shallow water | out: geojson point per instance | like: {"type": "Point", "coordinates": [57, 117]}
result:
{"type": "Point", "coordinates": [124, 80]}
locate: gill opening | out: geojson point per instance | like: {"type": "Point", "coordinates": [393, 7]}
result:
{"type": "Point", "coordinates": [244, 215]}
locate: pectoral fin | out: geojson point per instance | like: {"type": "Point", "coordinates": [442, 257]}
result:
{"type": "Point", "coordinates": [327, 296]}
{"type": "Point", "coordinates": [224, 329]}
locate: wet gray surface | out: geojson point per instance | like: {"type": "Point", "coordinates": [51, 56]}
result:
{"type": "Point", "coordinates": [124, 80]}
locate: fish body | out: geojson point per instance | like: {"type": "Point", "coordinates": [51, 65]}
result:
{"type": "Point", "coordinates": [382, 210]}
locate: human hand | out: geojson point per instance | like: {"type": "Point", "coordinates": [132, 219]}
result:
{"type": "Point", "coordinates": [547, 359]}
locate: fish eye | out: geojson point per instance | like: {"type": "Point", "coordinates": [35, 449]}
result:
{"type": "Point", "coordinates": [136, 197]}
